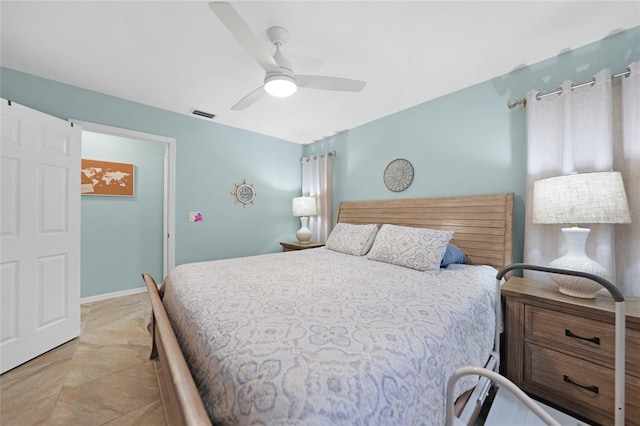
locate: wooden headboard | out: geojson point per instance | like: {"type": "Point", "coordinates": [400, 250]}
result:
{"type": "Point", "coordinates": [483, 224]}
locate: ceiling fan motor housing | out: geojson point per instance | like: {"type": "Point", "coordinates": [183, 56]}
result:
{"type": "Point", "coordinates": [283, 83]}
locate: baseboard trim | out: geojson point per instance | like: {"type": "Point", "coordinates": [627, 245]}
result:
{"type": "Point", "coordinates": [113, 295]}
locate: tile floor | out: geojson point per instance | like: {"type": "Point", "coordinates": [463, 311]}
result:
{"type": "Point", "coordinates": [103, 377]}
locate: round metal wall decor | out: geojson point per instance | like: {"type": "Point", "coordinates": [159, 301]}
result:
{"type": "Point", "coordinates": [398, 175]}
{"type": "Point", "coordinates": [244, 193]}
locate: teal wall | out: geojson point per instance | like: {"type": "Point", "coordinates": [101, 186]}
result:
{"type": "Point", "coordinates": [210, 159]}
{"type": "Point", "coordinates": [122, 236]}
{"type": "Point", "coordinates": [467, 142]}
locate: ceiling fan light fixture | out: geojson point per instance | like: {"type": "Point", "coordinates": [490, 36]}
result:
{"type": "Point", "coordinates": [280, 85]}
{"type": "Point", "coordinates": [280, 80]}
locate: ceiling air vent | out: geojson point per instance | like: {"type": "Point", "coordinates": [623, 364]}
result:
{"type": "Point", "coordinates": [201, 113]}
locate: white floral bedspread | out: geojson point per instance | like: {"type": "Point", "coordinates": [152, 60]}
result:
{"type": "Point", "coordinates": [316, 337]}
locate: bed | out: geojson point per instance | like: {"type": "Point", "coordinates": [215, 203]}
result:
{"type": "Point", "coordinates": [321, 336]}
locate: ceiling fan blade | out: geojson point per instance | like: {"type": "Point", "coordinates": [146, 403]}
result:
{"type": "Point", "coordinates": [250, 99]}
{"type": "Point", "coordinates": [244, 35]}
{"type": "Point", "coordinates": [329, 83]}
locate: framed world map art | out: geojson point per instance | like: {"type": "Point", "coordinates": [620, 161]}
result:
{"type": "Point", "coordinates": [106, 178]}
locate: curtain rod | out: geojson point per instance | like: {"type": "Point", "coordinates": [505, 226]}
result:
{"type": "Point", "coordinates": [523, 101]}
{"type": "Point", "coordinates": [330, 154]}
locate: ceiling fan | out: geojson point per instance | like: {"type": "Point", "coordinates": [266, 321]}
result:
{"type": "Point", "coordinates": [279, 79]}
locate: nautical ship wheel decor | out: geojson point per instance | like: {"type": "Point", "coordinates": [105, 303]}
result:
{"type": "Point", "coordinates": [244, 193]}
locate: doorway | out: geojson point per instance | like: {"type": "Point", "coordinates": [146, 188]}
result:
{"type": "Point", "coordinates": [123, 235]}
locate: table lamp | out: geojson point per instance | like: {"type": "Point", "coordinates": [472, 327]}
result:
{"type": "Point", "coordinates": [579, 198]}
{"type": "Point", "coordinates": [304, 207]}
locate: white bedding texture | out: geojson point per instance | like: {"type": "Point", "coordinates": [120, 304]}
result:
{"type": "Point", "coordinates": [321, 337]}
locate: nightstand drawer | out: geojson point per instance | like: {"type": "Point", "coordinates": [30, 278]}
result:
{"type": "Point", "coordinates": [569, 331]}
{"type": "Point", "coordinates": [587, 383]}
{"type": "Point", "coordinates": [632, 355]}
{"type": "Point", "coordinates": [589, 387]}
{"type": "Point", "coordinates": [572, 332]}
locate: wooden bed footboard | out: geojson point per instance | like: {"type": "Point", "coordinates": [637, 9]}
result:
{"type": "Point", "coordinates": [180, 396]}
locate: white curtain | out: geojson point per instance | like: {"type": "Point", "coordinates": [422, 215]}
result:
{"type": "Point", "coordinates": [317, 181]}
{"type": "Point", "coordinates": [590, 128]}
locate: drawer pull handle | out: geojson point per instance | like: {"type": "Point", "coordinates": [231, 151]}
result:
{"type": "Point", "coordinates": [593, 389]}
{"type": "Point", "coordinates": [595, 340]}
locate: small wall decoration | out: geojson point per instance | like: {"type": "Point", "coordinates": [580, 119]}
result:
{"type": "Point", "coordinates": [106, 178]}
{"type": "Point", "coordinates": [244, 193]}
{"type": "Point", "coordinates": [195, 217]}
{"type": "Point", "coordinates": [398, 175]}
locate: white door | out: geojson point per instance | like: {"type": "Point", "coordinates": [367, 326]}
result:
{"type": "Point", "coordinates": [39, 234]}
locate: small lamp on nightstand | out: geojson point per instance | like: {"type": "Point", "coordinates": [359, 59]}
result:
{"type": "Point", "coordinates": [304, 207]}
{"type": "Point", "coordinates": [596, 197]}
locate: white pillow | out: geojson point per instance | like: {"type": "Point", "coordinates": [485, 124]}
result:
{"type": "Point", "coordinates": [352, 239]}
{"type": "Point", "coordinates": [416, 248]}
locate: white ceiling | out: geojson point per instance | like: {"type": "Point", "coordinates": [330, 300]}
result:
{"type": "Point", "coordinates": [177, 55]}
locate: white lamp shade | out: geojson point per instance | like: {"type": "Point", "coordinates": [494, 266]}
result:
{"type": "Point", "coordinates": [597, 197]}
{"type": "Point", "coordinates": [304, 206]}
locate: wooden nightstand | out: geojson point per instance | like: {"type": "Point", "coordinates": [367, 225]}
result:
{"type": "Point", "coordinates": [299, 246]}
{"type": "Point", "coordinates": [560, 349]}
